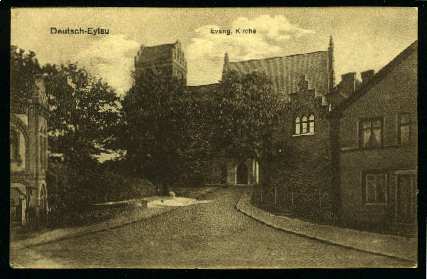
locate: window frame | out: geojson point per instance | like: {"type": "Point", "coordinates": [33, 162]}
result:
{"type": "Point", "coordinates": [297, 125]}
{"type": "Point", "coordinates": [300, 120]}
{"type": "Point", "coordinates": [400, 125]}
{"type": "Point", "coordinates": [361, 130]}
{"type": "Point", "coordinates": [311, 119]}
{"type": "Point", "coordinates": [376, 173]}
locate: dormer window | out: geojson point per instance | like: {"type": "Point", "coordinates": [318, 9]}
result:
{"type": "Point", "coordinates": [304, 125]}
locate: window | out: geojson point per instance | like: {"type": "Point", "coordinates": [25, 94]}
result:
{"type": "Point", "coordinates": [14, 146]}
{"type": "Point", "coordinates": [404, 128]}
{"type": "Point", "coordinates": [375, 188]}
{"type": "Point", "coordinates": [304, 125]}
{"type": "Point", "coordinates": [311, 124]}
{"type": "Point", "coordinates": [297, 126]}
{"type": "Point", "coordinates": [371, 134]}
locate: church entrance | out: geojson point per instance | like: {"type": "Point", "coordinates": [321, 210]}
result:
{"type": "Point", "coordinates": [242, 174]}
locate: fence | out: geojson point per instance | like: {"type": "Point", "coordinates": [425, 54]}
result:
{"type": "Point", "coordinates": [315, 204]}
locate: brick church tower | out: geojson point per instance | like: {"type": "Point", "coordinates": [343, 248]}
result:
{"type": "Point", "coordinates": [165, 59]}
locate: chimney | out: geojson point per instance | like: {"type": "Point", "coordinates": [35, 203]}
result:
{"type": "Point", "coordinates": [367, 75]}
{"type": "Point", "coordinates": [348, 83]}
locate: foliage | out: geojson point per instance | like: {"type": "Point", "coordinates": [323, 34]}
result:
{"type": "Point", "coordinates": [247, 112]}
{"type": "Point", "coordinates": [247, 109]}
{"type": "Point", "coordinates": [24, 67]}
{"type": "Point", "coordinates": [70, 204]}
{"type": "Point", "coordinates": [84, 112]}
{"type": "Point", "coordinates": [154, 135]}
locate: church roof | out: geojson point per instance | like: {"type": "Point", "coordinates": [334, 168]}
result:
{"type": "Point", "coordinates": [285, 72]}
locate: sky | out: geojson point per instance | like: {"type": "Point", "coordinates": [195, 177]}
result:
{"type": "Point", "coordinates": [364, 38]}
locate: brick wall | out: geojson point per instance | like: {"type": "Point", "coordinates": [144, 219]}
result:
{"type": "Point", "coordinates": [394, 94]}
{"type": "Point", "coordinates": [302, 174]}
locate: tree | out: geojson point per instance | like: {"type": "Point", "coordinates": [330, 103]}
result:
{"type": "Point", "coordinates": [153, 134]}
{"type": "Point", "coordinates": [247, 112]}
{"type": "Point", "coordinates": [24, 67]}
{"type": "Point", "coordinates": [84, 112]}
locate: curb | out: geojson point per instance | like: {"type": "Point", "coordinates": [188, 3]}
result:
{"type": "Point", "coordinates": [84, 230]}
{"type": "Point", "coordinates": [244, 206]}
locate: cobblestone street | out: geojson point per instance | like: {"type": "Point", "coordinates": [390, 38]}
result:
{"type": "Point", "coordinates": [206, 235]}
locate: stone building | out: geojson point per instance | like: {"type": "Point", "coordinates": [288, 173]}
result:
{"type": "Point", "coordinates": [376, 156]}
{"type": "Point", "coordinates": [28, 155]}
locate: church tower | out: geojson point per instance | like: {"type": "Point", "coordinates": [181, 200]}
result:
{"type": "Point", "coordinates": [166, 59]}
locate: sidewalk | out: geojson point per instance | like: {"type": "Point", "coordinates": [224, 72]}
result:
{"type": "Point", "coordinates": [381, 244]}
{"type": "Point", "coordinates": [132, 216]}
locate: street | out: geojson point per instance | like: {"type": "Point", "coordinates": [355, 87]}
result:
{"type": "Point", "coordinates": [205, 235]}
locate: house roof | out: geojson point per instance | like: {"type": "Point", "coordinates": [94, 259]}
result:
{"type": "Point", "coordinates": [364, 89]}
{"type": "Point", "coordinates": [285, 72]}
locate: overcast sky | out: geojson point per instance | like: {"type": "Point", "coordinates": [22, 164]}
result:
{"type": "Point", "coordinates": [365, 38]}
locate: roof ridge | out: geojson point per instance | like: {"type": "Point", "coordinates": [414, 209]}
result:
{"type": "Point", "coordinates": [377, 77]}
{"type": "Point", "coordinates": [277, 57]}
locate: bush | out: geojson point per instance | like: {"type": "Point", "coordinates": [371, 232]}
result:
{"type": "Point", "coordinates": [72, 193]}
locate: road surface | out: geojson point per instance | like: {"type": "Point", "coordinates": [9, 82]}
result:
{"type": "Point", "coordinates": [205, 235]}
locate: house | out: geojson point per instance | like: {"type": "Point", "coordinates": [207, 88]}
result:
{"type": "Point", "coordinates": [28, 155]}
{"type": "Point", "coordinates": [376, 154]}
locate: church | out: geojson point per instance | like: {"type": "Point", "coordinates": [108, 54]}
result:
{"type": "Point", "coordinates": [285, 72]}
{"type": "Point", "coordinates": [317, 178]}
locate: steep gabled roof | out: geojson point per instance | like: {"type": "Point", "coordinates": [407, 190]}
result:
{"type": "Point", "coordinates": [285, 72]}
{"type": "Point", "coordinates": [364, 89]}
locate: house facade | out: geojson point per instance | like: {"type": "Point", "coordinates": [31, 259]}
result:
{"type": "Point", "coordinates": [377, 148]}
{"type": "Point", "coordinates": [301, 175]}
{"type": "Point", "coordinates": [28, 156]}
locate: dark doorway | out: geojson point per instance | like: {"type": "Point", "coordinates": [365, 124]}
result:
{"type": "Point", "coordinates": [406, 199]}
{"type": "Point", "coordinates": [223, 174]}
{"type": "Point", "coordinates": [242, 174]}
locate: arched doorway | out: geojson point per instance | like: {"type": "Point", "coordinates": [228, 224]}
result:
{"type": "Point", "coordinates": [43, 210]}
{"type": "Point", "coordinates": [242, 174]}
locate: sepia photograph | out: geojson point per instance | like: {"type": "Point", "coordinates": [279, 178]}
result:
{"type": "Point", "coordinates": [214, 138]}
